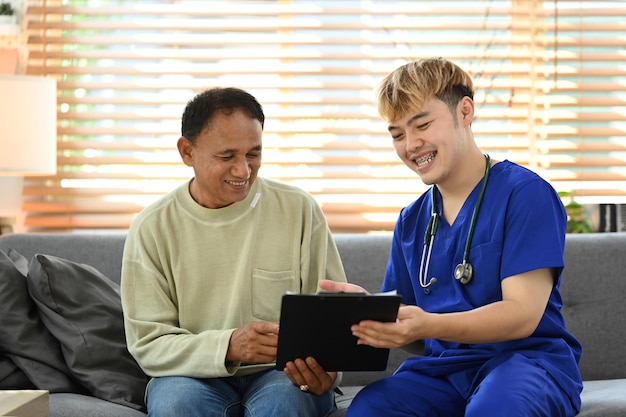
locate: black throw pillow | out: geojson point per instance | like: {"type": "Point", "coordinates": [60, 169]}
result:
{"type": "Point", "coordinates": [23, 337]}
{"type": "Point", "coordinates": [82, 308]}
{"type": "Point", "coordinates": [12, 377]}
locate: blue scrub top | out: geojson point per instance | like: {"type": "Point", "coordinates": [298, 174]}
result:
{"type": "Point", "coordinates": [520, 227]}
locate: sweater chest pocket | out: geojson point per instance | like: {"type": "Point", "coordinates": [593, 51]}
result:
{"type": "Point", "coordinates": [268, 288]}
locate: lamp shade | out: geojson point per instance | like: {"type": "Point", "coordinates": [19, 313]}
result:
{"type": "Point", "coordinates": [28, 130]}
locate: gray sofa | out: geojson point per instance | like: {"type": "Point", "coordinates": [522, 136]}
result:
{"type": "Point", "coordinates": [593, 290]}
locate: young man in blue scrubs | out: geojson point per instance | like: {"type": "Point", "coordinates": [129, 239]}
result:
{"type": "Point", "coordinates": [482, 290]}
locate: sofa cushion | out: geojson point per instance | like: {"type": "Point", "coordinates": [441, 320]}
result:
{"type": "Point", "coordinates": [604, 398]}
{"type": "Point", "coordinates": [23, 337]}
{"type": "Point", "coordinates": [74, 405]}
{"type": "Point", "coordinates": [82, 309]}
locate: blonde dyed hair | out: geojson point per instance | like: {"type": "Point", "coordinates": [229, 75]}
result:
{"type": "Point", "coordinates": [407, 88]}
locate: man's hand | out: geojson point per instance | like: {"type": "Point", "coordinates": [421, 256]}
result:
{"type": "Point", "coordinates": [516, 316]}
{"type": "Point", "coordinates": [255, 342]}
{"type": "Point", "coordinates": [309, 372]}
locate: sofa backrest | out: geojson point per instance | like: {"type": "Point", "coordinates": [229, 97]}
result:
{"type": "Point", "coordinates": [593, 285]}
{"type": "Point", "coordinates": [103, 251]}
{"type": "Point", "coordinates": [594, 289]}
{"type": "Point", "coordinates": [364, 258]}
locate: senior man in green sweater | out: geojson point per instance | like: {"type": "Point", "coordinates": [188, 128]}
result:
{"type": "Point", "coordinates": [204, 270]}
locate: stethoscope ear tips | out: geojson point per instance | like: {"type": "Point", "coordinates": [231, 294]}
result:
{"type": "Point", "coordinates": [464, 272]}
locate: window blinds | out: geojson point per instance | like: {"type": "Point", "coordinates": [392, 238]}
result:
{"type": "Point", "coordinates": [550, 94]}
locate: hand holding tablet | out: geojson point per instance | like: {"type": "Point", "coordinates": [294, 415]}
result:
{"type": "Point", "coordinates": [318, 325]}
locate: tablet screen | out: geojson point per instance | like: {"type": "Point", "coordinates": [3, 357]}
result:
{"type": "Point", "coordinates": [318, 325]}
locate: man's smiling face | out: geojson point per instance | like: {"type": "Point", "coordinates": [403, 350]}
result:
{"type": "Point", "coordinates": [428, 140]}
{"type": "Point", "coordinates": [226, 158]}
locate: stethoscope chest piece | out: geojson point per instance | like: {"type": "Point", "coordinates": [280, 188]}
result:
{"type": "Point", "coordinates": [464, 272]}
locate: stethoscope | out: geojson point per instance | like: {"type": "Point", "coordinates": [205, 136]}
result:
{"type": "Point", "coordinates": [464, 272]}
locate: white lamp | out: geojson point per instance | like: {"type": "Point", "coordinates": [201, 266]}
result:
{"type": "Point", "coordinates": [27, 138]}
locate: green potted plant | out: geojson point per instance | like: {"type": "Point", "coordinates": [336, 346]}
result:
{"type": "Point", "coordinates": [577, 219]}
{"type": "Point", "coordinates": [7, 14]}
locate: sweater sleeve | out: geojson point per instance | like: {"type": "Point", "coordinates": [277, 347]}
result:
{"type": "Point", "coordinates": [154, 337]}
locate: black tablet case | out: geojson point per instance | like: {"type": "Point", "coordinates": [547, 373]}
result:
{"type": "Point", "coordinates": [318, 325]}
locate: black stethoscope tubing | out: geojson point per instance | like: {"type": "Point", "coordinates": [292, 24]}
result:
{"type": "Point", "coordinates": [464, 272]}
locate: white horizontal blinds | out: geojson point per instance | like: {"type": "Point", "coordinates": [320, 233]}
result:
{"type": "Point", "coordinates": [584, 98]}
{"type": "Point", "coordinates": [126, 69]}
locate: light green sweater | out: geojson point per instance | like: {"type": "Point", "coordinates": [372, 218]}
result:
{"type": "Point", "coordinates": [191, 275]}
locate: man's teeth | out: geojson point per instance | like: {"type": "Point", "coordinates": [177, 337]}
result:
{"type": "Point", "coordinates": [425, 159]}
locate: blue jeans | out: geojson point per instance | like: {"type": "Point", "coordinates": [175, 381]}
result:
{"type": "Point", "coordinates": [263, 394]}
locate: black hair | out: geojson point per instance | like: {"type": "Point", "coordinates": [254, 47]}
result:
{"type": "Point", "coordinates": [452, 95]}
{"type": "Point", "coordinates": [200, 109]}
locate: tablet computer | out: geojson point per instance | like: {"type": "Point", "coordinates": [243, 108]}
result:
{"type": "Point", "coordinates": [318, 325]}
